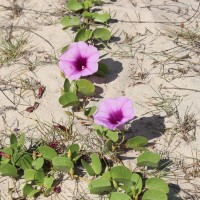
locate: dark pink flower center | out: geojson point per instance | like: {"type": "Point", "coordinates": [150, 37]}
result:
{"type": "Point", "coordinates": [80, 63]}
{"type": "Point", "coordinates": [116, 117]}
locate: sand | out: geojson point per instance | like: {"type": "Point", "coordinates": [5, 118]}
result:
{"type": "Point", "coordinates": [148, 60]}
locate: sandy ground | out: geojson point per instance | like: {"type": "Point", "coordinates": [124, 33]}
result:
{"type": "Point", "coordinates": [153, 60]}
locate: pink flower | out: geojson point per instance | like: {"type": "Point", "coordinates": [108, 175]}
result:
{"type": "Point", "coordinates": [114, 113]}
{"type": "Point", "coordinates": [79, 60]}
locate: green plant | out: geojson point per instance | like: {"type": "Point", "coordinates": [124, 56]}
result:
{"type": "Point", "coordinates": [37, 164]}
{"type": "Point", "coordinates": [87, 22]}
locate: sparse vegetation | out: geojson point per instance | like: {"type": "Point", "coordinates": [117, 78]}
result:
{"type": "Point", "coordinates": [155, 63]}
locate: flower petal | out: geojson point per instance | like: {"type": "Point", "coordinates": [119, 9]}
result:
{"type": "Point", "coordinates": [108, 113]}
{"type": "Point", "coordinates": [91, 68]}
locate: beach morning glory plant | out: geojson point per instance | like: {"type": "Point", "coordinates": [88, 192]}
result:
{"type": "Point", "coordinates": [79, 60]}
{"type": "Point", "coordinates": [114, 113]}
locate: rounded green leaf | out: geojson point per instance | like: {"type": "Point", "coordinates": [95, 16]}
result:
{"type": "Point", "coordinates": [68, 21]}
{"type": "Point", "coordinates": [87, 15]}
{"type": "Point", "coordinates": [83, 35]}
{"type": "Point", "coordinates": [88, 167]}
{"type": "Point", "coordinates": [21, 139]}
{"type": "Point", "coordinates": [121, 174]}
{"type": "Point", "coordinates": [48, 182]}
{"type": "Point", "coordinates": [119, 196]}
{"type": "Point", "coordinates": [137, 183]}
{"type": "Point", "coordinates": [100, 186]}
{"type": "Point", "coordinates": [38, 163]}
{"type": "Point", "coordinates": [69, 99]}
{"type": "Point", "coordinates": [102, 18]}
{"type": "Point", "coordinates": [39, 177]}
{"type": "Point", "coordinates": [85, 87]}
{"type": "Point", "coordinates": [29, 191]}
{"type": "Point", "coordinates": [8, 151]}
{"type": "Point", "coordinates": [108, 145]}
{"type": "Point", "coordinates": [47, 152]}
{"type": "Point", "coordinates": [29, 174]}
{"type": "Point", "coordinates": [8, 170]}
{"type": "Point", "coordinates": [62, 164]}
{"type": "Point", "coordinates": [87, 4]}
{"type": "Point", "coordinates": [96, 163]}
{"type": "Point", "coordinates": [66, 85]}
{"type": "Point", "coordinates": [74, 148]}
{"type": "Point", "coordinates": [112, 135]}
{"type": "Point", "coordinates": [102, 70]}
{"type": "Point", "coordinates": [73, 87]}
{"type": "Point", "coordinates": [90, 111]}
{"type": "Point", "coordinates": [106, 175]}
{"type": "Point", "coordinates": [157, 184]}
{"type": "Point", "coordinates": [13, 139]}
{"type": "Point", "coordinates": [102, 34]}
{"type": "Point", "coordinates": [154, 195]}
{"type": "Point", "coordinates": [25, 162]}
{"type": "Point", "coordinates": [63, 51]}
{"type": "Point", "coordinates": [48, 191]}
{"type": "Point", "coordinates": [136, 142]}
{"type": "Point", "coordinates": [149, 159]}
{"type": "Point", "coordinates": [74, 5]}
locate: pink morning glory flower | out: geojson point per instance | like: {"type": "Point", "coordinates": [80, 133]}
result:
{"type": "Point", "coordinates": [114, 113]}
{"type": "Point", "coordinates": [79, 60]}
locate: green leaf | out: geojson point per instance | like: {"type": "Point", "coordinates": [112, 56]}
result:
{"type": "Point", "coordinates": [108, 146]}
{"type": "Point", "coordinates": [29, 174]}
{"type": "Point", "coordinates": [87, 15]}
{"type": "Point", "coordinates": [70, 21]}
{"type": "Point", "coordinates": [15, 159]}
{"type": "Point", "coordinates": [157, 184]}
{"type": "Point", "coordinates": [87, 4]}
{"type": "Point", "coordinates": [83, 35]}
{"type": "Point", "coordinates": [102, 70]}
{"type": "Point", "coordinates": [88, 167]}
{"type": "Point", "coordinates": [74, 148]}
{"type": "Point", "coordinates": [62, 164]}
{"type": "Point", "coordinates": [39, 177]}
{"type": "Point", "coordinates": [85, 87]}
{"type": "Point", "coordinates": [64, 49]}
{"type": "Point", "coordinates": [48, 182]}
{"type": "Point", "coordinates": [102, 34]}
{"type": "Point", "coordinates": [29, 191]}
{"type": "Point", "coordinates": [73, 87]}
{"type": "Point", "coordinates": [66, 85]}
{"type": "Point", "coordinates": [90, 111]}
{"type": "Point", "coordinates": [38, 163]}
{"type": "Point", "coordinates": [13, 139]}
{"type": "Point", "coordinates": [154, 195]}
{"type": "Point", "coordinates": [48, 191]}
{"type": "Point", "coordinates": [112, 135]}
{"type": "Point", "coordinates": [74, 5]}
{"type": "Point", "coordinates": [8, 151]}
{"type": "Point", "coordinates": [119, 196]}
{"type": "Point", "coordinates": [47, 152]}
{"type": "Point", "coordinates": [21, 139]}
{"type": "Point", "coordinates": [102, 18]}
{"type": "Point", "coordinates": [137, 182]}
{"type": "Point", "coordinates": [149, 159]}
{"type": "Point", "coordinates": [8, 170]}
{"type": "Point", "coordinates": [98, 127]}
{"type": "Point", "coordinates": [69, 99]}
{"type": "Point", "coordinates": [98, 2]}
{"type": "Point", "coordinates": [100, 186]}
{"type": "Point", "coordinates": [96, 163]}
{"type": "Point", "coordinates": [106, 175]}
{"type": "Point", "coordinates": [136, 142]}
{"type": "Point", "coordinates": [25, 161]}
{"type": "Point", "coordinates": [121, 174]}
